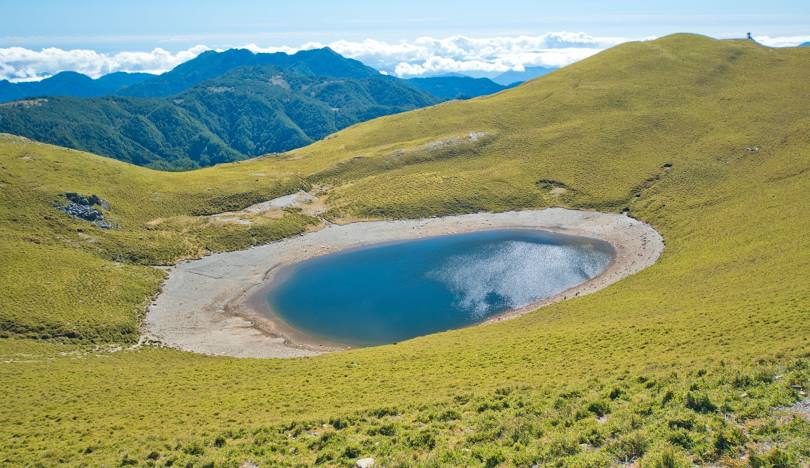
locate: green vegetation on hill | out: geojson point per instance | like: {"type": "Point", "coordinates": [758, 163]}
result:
{"type": "Point", "coordinates": [211, 64]}
{"type": "Point", "coordinates": [686, 362]}
{"type": "Point", "coordinates": [246, 112]}
{"type": "Point", "coordinates": [258, 110]}
{"type": "Point", "coordinates": [218, 107]}
{"type": "Point", "coordinates": [150, 132]}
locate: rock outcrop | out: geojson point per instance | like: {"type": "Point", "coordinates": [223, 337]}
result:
{"type": "Point", "coordinates": [84, 207]}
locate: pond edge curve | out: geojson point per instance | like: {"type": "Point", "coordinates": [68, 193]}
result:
{"type": "Point", "coordinates": [209, 305]}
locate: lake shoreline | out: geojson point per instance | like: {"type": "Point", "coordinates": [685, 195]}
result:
{"type": "Point", "coordinates": [217, 305]}
{"type": "Point", "coordinates": [261, 311]}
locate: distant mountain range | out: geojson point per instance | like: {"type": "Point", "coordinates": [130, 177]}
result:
{"type": "Point", "coordinates": [317, 62]}
{"type": "Point", "coordinates": [529, 73]}
{"type": "Point", "coordinates": [70, 83]}
{"type": "Point", "coordinates": [456, 87]}
{"type": "Point", "coordinates": [804, 44]}
{"type": "Point", "coordinates": [246, 112]}
{"type": "Point", "coordinates": [218, 107]}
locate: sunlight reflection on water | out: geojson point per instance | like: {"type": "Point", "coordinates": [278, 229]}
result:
{"type": "Point", "coordinates": [513, 274]}
{"type": "Point", "coordinates": [390, 292]}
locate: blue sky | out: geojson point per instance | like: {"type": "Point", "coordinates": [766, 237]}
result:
{"type": "Point", "coordinates": [118, 25]}
{"type": "Point", "coordinates": [41, 37]}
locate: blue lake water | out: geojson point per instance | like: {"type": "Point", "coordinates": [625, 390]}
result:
{"type": "Point", "coordinates": [390, 292]}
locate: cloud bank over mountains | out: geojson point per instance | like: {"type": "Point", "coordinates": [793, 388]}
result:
{"type": "Point", "coordinates": [461, 54]}
{"type": "Point", "coordinates": [418, 57]}
{"type": "Point", "coordinates": [21, 64]}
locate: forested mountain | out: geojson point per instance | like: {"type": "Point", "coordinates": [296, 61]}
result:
{"type": "Point", "coordinates": [318, 62]}
{"type": "Point", "coordinates": [218, 107]}
{"type": "Point", "coordinates": [247, 111]}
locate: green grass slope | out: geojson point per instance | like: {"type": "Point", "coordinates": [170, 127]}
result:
{"type": "Point", "coordinates": [686, 362]}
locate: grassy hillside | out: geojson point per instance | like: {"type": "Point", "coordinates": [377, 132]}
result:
{"type": "Point", "coordinates": [688, 361]}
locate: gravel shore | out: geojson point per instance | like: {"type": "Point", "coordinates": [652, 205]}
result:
{"type": "Point", "coordinates": [209, 305]}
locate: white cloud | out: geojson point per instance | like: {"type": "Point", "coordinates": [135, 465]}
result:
{"type": "Point", "coordinates": [21, 64]}
{"type": "Point", "coordinates": [499, 64]}
{"type": "Point", "coordinates": [421, 56]}
{"type": "Point", "coordinates": [425, 55]}
{"type": "Point", "coordinates": [428, 55]}
{"type": "Point", "coordinates": [785, 41]}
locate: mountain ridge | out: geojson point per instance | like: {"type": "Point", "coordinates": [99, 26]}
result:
{"type": "Point", "coordinates": [168, 121]}
{"type": "Point", "coordinates": [210, 64]}
{"type": "Point", "coordinates": [247, 112]}
{"type": "Point", "coordinates": [70, 83]}
{"type": "Point", "coordinates": [510, 78]}
{"type": "Point", "coordinates": [456, 87]}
